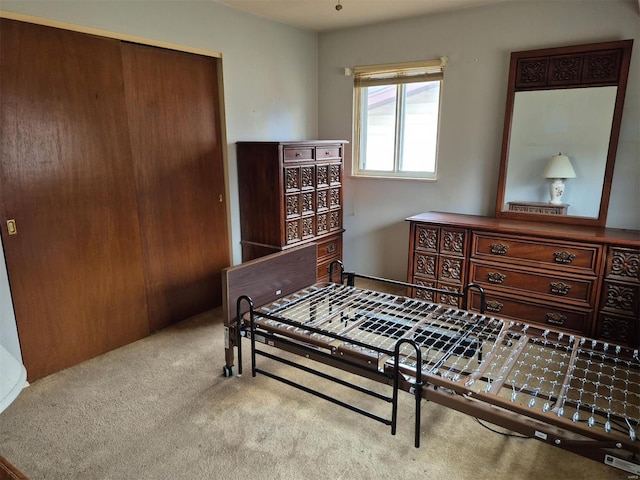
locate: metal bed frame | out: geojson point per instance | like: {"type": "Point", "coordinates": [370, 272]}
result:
{"type": "Point", "coordinates": [575, 393]}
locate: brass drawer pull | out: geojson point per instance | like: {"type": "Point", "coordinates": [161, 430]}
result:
{"type": "Point", "coordinates": [564, 257]}
{"type": "Point", "coordinates": [331, 248]}
{"type": "Point", "coordinates": [556, 318]}
{"type": "Point", "coordinates": [493, 306]}
{"type": "Point", "coordinates": [496, 277]}
{"type": "Point", "coordinates": [499, 248]}
{"type": "Point", "coordinates": [559, 288]}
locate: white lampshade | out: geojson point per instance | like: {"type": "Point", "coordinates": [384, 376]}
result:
{"type": "Point", "coordinates": [559, 167]}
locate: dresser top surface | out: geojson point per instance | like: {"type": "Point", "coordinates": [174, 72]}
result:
{"type": "Point", "coordinates": [296, 143]}
{"type": "Point", "coordinates": [555, 230]}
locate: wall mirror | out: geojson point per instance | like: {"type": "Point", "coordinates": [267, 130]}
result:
{"type": "Point", "coordinates": [562, 122]}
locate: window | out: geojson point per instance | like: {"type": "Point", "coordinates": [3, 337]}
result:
{"type": "Point", "coordinates": [396, 117]}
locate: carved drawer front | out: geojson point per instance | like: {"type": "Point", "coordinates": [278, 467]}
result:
{"type": "Point", "coordinates": [423, 294]}
{"type": "Point", "coordinates": [453, 241]}
{"type": "Point", "coordinates": [322, 199]}
{"type": "Point", "coordinates": [308, 179]}
{"type": "Point", "coordinates": [332, 151]}
{"type": "Point", "coordinates": [293, 231]}
{"type": "Point", "coordinates": [623, 264]}
{"type": "Point", "coordinates": [293, 205]}
{"type": "Point", "coordinates": [451, 269]}
{"type": "Point", "coordinates": [298, 154]}
{"type": "Point", "coordinates": [334, 197]}
{"type": "Point", "coordinates": [426, 238]}
{"type": "Point", "coordinates": [568, 257]}
{"type": "Point", "coordinates": [434, 297]}
{"type": "Point", "coordinates": [551, 316]}
{"type": "Point", "coordinates": [335, 174]}
{"type": "Point", "coordinates": [620, 298]}
{"type": "Point", "coordinates": [292, 181]}
{"type": "Point", "coordinates": [496, 276]}
{"type": "Point", "coordinates": [619, 329]}
{"type": "Point", "coordinates": [322, 176]}
{"type": "Point", "coordinates": [335, 220]}
{"type": "Point", "coordinates": [425, 265]}
{"type": "Point", "coordinates": [308, 203]}
{"type": "Point", "coordinates": [308, 227]}
{"type": "Point", "coordinates": [322, 223]}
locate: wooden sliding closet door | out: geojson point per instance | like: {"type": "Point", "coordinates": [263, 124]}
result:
{"type": "Point", "coordinates": [66, 178]}
{"type": "Point", "coordinates": [175, 127]}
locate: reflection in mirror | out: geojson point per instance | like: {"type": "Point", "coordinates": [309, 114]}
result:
{"type": "Point", "coordinates": [574, 122]}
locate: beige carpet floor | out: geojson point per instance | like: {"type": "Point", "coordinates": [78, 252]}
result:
{"type": "Point", "coordinates": [161, 409]}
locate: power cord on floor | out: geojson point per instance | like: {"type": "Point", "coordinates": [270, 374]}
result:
{"type": "Point", "coordinates": [505, 434]}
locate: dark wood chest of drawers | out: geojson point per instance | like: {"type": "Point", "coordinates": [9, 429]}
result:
{"type": "Point", "coordinates": [583, 280]}
{"type": "Point", "coordinates": [290, 193]}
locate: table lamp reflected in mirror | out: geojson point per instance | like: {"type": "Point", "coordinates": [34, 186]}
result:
{"type": "Point", "coordinates": [559, 168]}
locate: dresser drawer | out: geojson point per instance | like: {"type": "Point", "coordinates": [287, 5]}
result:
{"type": "Point", "coordinates": [331, 248]}
{"type": "Point", "coordinates": [526, 311]}
{"type": "Point", "coordinates": [425, 265]}
{"type": "Point", "coordinates": [618, 329]}
{"type": "Point", "coordinates": [446, 240]}
{"type": "Point", "coordinates": [426, 238]}
{"type": "Point", "coordinates": [623, 264]}
{"type": "Point", "coordinates": [620, 298]}
{"type": "Point", "coordinates": [557, 288]}
{"type": "Point", "coordinates": [451, 269]}
{"type": "Point", "coordinates": [298, 154]}
{"type": "Point", "coordinates": [436, 297]}
{"type": "Point", "coordinates": [332, 151]}
{"type": "Point", "coordinates": [578, 258]}
{"type": "Point", "coordinates": [323, 270]}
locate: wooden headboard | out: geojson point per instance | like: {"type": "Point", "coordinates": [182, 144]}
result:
{"type": "Point", "coordinates": [267, 278]}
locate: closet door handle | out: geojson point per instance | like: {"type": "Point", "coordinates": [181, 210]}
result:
{"type": "Point", "coordinates": [12, 229]}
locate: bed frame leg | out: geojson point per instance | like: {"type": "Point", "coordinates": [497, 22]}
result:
{"type": "Point", "coordinates": [242, 298]}
{"type": "Point", "coordinates": [332, 265]}
{"type": "Point", "coordinates": [417, 388]}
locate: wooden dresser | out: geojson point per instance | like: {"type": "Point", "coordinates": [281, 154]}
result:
{"type": "Point", "coordinates": [583, 280]}
{"type": "Point", "coordinates": [291, 194]}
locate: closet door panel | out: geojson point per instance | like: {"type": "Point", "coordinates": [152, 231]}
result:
{"type": "Point", "coordinates": [75, 262]}
{"type": "Point", "coordinates": [174, 120]}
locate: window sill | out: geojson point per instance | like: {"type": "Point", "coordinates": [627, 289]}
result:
{"type": "Point", "coordinates": [392, 177]}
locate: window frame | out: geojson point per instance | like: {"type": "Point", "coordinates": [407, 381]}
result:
{"type": "Point", "coordinates": [398, 74]}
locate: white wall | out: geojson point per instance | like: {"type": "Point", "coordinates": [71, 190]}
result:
{"type": "Point", "coordinates": [270, 76]}
{"type": "Point", "coordinates": [477, 42]}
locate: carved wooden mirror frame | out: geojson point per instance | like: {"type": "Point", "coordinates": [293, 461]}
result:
{"type": "Point", "coordinates": [579, 66]}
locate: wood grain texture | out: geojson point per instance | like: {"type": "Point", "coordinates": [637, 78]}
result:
{"type": "Point", "coordinates": [581, 279]}
{"type": "Point", "coordinates": [174, 121]}
{"type": "Point", "coordinates": [268, 278]}
{"type": "Point", "coordinates": [75, 265]}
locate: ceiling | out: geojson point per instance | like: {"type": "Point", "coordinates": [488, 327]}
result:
{"type": "Point", "coordinates": [321, 15]}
